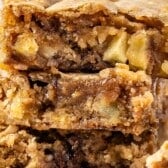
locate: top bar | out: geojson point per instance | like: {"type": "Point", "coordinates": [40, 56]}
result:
{"type": "Point", "coordinates": [86, 36]}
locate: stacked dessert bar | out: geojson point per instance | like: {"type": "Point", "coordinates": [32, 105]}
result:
{"type": "Point", "coordinates": [83, 83]}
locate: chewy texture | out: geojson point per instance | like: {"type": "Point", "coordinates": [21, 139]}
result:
{"type": "Point", "coordinates": [83, 83]}
{"type": "Point", "coordinates": [28, 148]}
{"type": "Point", "coordinates": [114, 99]}
{"type": "Point", "coordinates": [85, 35]}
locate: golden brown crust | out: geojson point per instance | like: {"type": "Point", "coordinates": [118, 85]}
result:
{"type": "Point", "coordinates": [138, 9]}
{"type": "Point", "coordinates": [39, 3]}
{"type": "Point", "coordinates": [142, 9]}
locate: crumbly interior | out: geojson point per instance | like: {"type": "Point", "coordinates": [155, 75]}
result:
{"type": "Point", "coordinates": [25, 147]}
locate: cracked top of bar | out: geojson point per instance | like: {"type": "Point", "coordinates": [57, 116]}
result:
{"type": "Point", "coordinates": [153, 9]}
{"type": "Point", "coordinates": [85, 35]}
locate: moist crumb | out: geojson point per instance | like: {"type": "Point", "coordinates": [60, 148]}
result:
{"type": "Point", "coordinates": [25, 147]}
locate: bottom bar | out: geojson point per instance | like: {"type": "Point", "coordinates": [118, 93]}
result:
{"type": "Point", "coordinates": [25, 147]}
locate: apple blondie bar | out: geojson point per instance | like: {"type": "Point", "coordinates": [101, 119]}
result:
{"type": "Point", "coordinates": [25, 147]}
{"type": "Point", "coordinates": [85, 36]}
{"type": "Point", "coordinates": [115, 99]}
{"type": "Point", "coordinates": [83, 83]}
